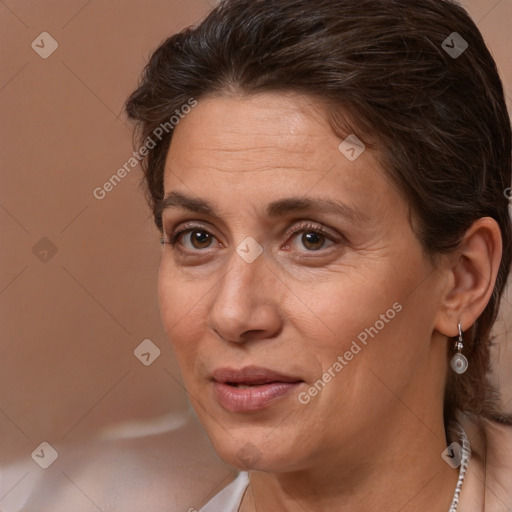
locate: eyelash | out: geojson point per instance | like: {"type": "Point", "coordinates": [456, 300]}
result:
{"type": "Point", "coordinates": [313, 228]}
{"type": "Point", "coordinates": [186, 229]}
{"type": "Point", "coordinates": [297, 229]}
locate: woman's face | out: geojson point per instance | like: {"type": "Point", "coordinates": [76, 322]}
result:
{"type": "Point", "coordinates": [298, 301]}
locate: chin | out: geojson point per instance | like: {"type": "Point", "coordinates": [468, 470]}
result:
{"type": "Point", "coordinates": [253, 451]}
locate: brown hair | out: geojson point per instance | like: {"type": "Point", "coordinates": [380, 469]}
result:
{"type": "Point", "coordinates": [440, 121]}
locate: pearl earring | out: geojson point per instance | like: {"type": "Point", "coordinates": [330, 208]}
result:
{"type": "Point", "coordinates": [459, 363]}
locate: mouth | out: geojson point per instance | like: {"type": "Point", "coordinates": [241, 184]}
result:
{"type": "Point", "coordinates": [251, 388]}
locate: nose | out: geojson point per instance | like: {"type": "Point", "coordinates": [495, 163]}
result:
{"type": "Point", "coordinates": [245, 305]}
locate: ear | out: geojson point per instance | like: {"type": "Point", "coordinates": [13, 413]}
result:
{"type": "Point", "coordinates": [471, 277]}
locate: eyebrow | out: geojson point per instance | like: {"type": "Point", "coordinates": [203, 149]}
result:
{"type": "Point", "coordinates": [279, 208]}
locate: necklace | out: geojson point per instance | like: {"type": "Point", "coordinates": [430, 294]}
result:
{"type": "Point", "coordinates": [466, 453]}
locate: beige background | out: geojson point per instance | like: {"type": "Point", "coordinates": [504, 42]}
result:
{"type": "Point", "coordinates": [70, 321]}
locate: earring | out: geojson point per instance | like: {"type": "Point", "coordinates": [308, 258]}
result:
{"type": "Point", "coordinates": [459, 363]}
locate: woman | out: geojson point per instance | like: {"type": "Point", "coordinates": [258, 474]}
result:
{"type": "Point", "coordinates": [328, 178]}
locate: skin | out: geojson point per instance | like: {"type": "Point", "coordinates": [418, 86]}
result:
{"type": "Point", "coordinates": [372, 438]}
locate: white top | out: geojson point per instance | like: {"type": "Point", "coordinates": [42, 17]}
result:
{"type": "Point", "coordinates": [229, 499]}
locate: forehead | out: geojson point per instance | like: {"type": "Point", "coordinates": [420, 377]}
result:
{"type": "Point", "coordinates": [265, 147]}
{"type": "Point", "coordinates": [250, 133]}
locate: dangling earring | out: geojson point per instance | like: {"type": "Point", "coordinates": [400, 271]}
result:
{"type": "Point", "coordinates": [459, 363]}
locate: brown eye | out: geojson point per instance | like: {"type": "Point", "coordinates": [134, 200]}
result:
{"type": "Point", "coordinates": [199, 239]}
{"type": "Point", "coordinates": [313, 241]}
{"type": "Point", "coordinates": [309, 238]}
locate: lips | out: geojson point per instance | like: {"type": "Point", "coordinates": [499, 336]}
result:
{"type": "Point", "coordinates": [251, 388]}
{"type": "Point", "coordinates": [250, 376]}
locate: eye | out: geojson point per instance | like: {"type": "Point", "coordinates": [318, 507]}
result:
{"type": "Point", "coordinates": [313, 238]}
{"type": "Point", "coordinates": [190, 239]}
{"type": "Point", "coordinates": [196, 239]}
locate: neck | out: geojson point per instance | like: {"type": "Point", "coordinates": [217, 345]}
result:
{"type": "Point", "coordinates": [401, 471]}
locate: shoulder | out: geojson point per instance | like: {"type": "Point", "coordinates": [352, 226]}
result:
{"type": "Point", "coordinates": [229, 499]}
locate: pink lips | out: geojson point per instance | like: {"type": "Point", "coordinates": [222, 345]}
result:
{"type": "Point", "coordinates": [250, 389]}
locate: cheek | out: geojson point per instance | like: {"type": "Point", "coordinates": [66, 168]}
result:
{"type": "Point", "coordinates": [342, 310]}
{"type": "Point", "coordinates": [377, 332]}
{"type": "Point", "coordinates": [182, 308]}
{"type": "Point", "coordinates": [359, 334]}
